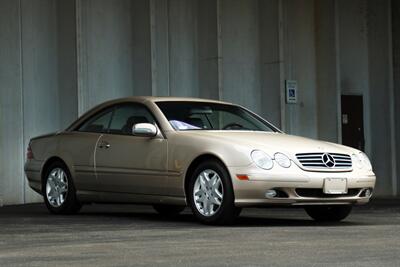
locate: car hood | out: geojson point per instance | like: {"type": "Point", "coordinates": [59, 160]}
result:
{"type": "Point", "coordinates": [271, 142]}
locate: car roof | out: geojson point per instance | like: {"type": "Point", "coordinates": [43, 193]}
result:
{"type": "Point", "coordinates": [138, 99]}
{"type": "Point", "coordinates": [167, 99]}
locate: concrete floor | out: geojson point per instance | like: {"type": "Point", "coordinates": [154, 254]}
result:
{"type": "Point", "coordinates": [122, 235]}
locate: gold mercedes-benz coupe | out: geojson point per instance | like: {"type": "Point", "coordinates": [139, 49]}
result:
{"type": "Point", "coordinates": [213, 156]}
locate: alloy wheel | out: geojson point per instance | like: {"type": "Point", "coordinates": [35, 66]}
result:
{"type": "Point", "coordinates": [57, 187]}
{"type": "Point", "coordinates": [208, 192]}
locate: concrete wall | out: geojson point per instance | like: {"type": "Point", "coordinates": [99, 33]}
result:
{"type": "Point", "coordinates": [159, 24]}
{"type": "Point", "coordinates": [38, 93]}
{"type": "Point", "coordinates": [106, 30]}
{"type": "Point", "coordinates": [326, 70]}
{"type": "Point", "coordinates": [207, 43]}
{"type": "Point", "coordinates": [271, 61]}
{"type": "Point", "coordinates": [300, 65]}
{"type": "Point", "coordinates": [60, 58]}
{"type": "Point", "coordinates": [11, 105]}
{"type": "Point", "coordinates": [365, 69]}
{"type": "Point", "coordinates": [183, 48]}
{"type": "Point", "coordinates": [67, 60]}
{"type": "Point", "coordinates": [41, 101]}
{"type": "Point", "coordinates": [141, 47]}
{"type": "Point", "coordinates": [380, 91]}
{"type": "Point", "coordinates": [241, 65]}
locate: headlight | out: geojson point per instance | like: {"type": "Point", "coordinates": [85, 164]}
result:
{"type": "Point", "coordinates": [361, 161]}
{"type": "Point", "coordinates": [282, 160]}
{"type": "Point", "coordinates": [357, 161]}
{"type": "Point", "coordinates": [262, 159]}
{"type": "Point", "coordinates": [366, 161]}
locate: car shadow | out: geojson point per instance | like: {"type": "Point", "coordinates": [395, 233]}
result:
{"type": "Point", "coordinates": [124, 214]}
{"type": "Point", "coordinates": [242, 221]}
{"type": "Point", "coordinates": [245, 221]}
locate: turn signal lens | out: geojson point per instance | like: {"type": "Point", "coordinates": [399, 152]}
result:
{"type": "Point", "coordinates": [242, 176]}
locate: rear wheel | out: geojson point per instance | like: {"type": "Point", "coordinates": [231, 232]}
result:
{"type": "Point", "coordinates": [59, 191]}
{"type": "Point", "coordinates": [168, 210]}
{"type": "Point", "coordinates": [334, 213]}
{"type": "Point", "coordinates": [210, 194]}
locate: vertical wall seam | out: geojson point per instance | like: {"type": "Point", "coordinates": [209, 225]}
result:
{"type": "Point", "coordinates": [282, 66]}
{"type": "Point", "coordinates": [317, 102]}
{"type": "Point", "coordinates": [78, 112]}
{"type": "Point", "coordinates": [153, 47]}
{"type": "Point", "coordinates": [391, 101]}
{"type": "Point", "coordinates": [196, 52]}
{"type": "Point", "coordinates": [367, 92]}
{"type": "Point", "coordinates": [22, 100]}
{"type": "Point", "coordinates": [338, 73]}
{"type": "Point", "coordinates": [57, 59]}
{"type": "Point", "coordinates": [81, 62]}
{"type": "Point", "coordinates": [168, 50]}
{"type": "Point", "coordinates": [219, 51]}
{"type": "Point", "coordinates": [78, 56]}
{"type": "Point", "coordinates": [259, 61]}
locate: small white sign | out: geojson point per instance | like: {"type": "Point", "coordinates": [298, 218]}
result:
{"type": "Point", "coordinates": [291, 91]}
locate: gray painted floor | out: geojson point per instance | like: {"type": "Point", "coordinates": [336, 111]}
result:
{"type": "Point", "coordinates": [122, 235]}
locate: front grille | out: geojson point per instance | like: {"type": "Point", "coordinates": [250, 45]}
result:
{"type": "Point", "coordinates": [319, 193]}
{"type": "Point", "coordinates": [318, 161]}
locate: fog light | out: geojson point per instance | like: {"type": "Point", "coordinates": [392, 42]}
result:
{"type": "Point", "coordinates": [368, 192]}
{"type": "Point", "coordinates": [270, 193]}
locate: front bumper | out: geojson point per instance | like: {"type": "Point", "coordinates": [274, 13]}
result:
{"type": "Point", "coordinates": [297, 187]}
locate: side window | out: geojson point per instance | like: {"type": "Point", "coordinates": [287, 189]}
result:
{"type": "Point", "coordinates": [128, 115]}
{"type": "Point", "coordinates": [98, 123]}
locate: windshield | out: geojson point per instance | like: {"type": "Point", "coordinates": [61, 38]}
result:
{"type": "Point", "coordinates": [184, 115]}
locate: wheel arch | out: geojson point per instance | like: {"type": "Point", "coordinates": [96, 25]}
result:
{"type": "Point", "coordinates": [50, 161]}
{"type": "Point", "coordinates": [195, 162]}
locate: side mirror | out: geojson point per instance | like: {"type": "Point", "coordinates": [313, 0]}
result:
{"type": "Point", "coordinates": [144, 130]}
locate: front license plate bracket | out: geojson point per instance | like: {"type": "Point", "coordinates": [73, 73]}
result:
{"type": "Point", "coordinates": [335, 186]}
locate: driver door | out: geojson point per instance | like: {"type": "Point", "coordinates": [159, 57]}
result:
{"type": "Point", "coordinates": [127, 163]}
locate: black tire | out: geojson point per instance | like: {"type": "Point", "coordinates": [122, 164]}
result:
{"type": "Point", "coordinates": [71, 204]}
{"type": "Point", "coordinates": [227, 212]}
{"type": "Point", "coordinates": [168, 210]}
{"type": "Point", "coordinates": [334, 213]}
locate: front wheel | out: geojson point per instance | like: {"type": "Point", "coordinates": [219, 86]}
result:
{"type": "Point", "coordinates": [210, 194]}
{"type": "Point", "coordinates": [334, 213]}
{"type": "Point", "coordinates": [59, 191]}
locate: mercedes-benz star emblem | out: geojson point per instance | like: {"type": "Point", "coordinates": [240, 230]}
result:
{"type": "Point", "coordinates": [328, 160]}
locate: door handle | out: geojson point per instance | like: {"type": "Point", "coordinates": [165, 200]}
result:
{"type": "Point", "coordinates": [104, 144]}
